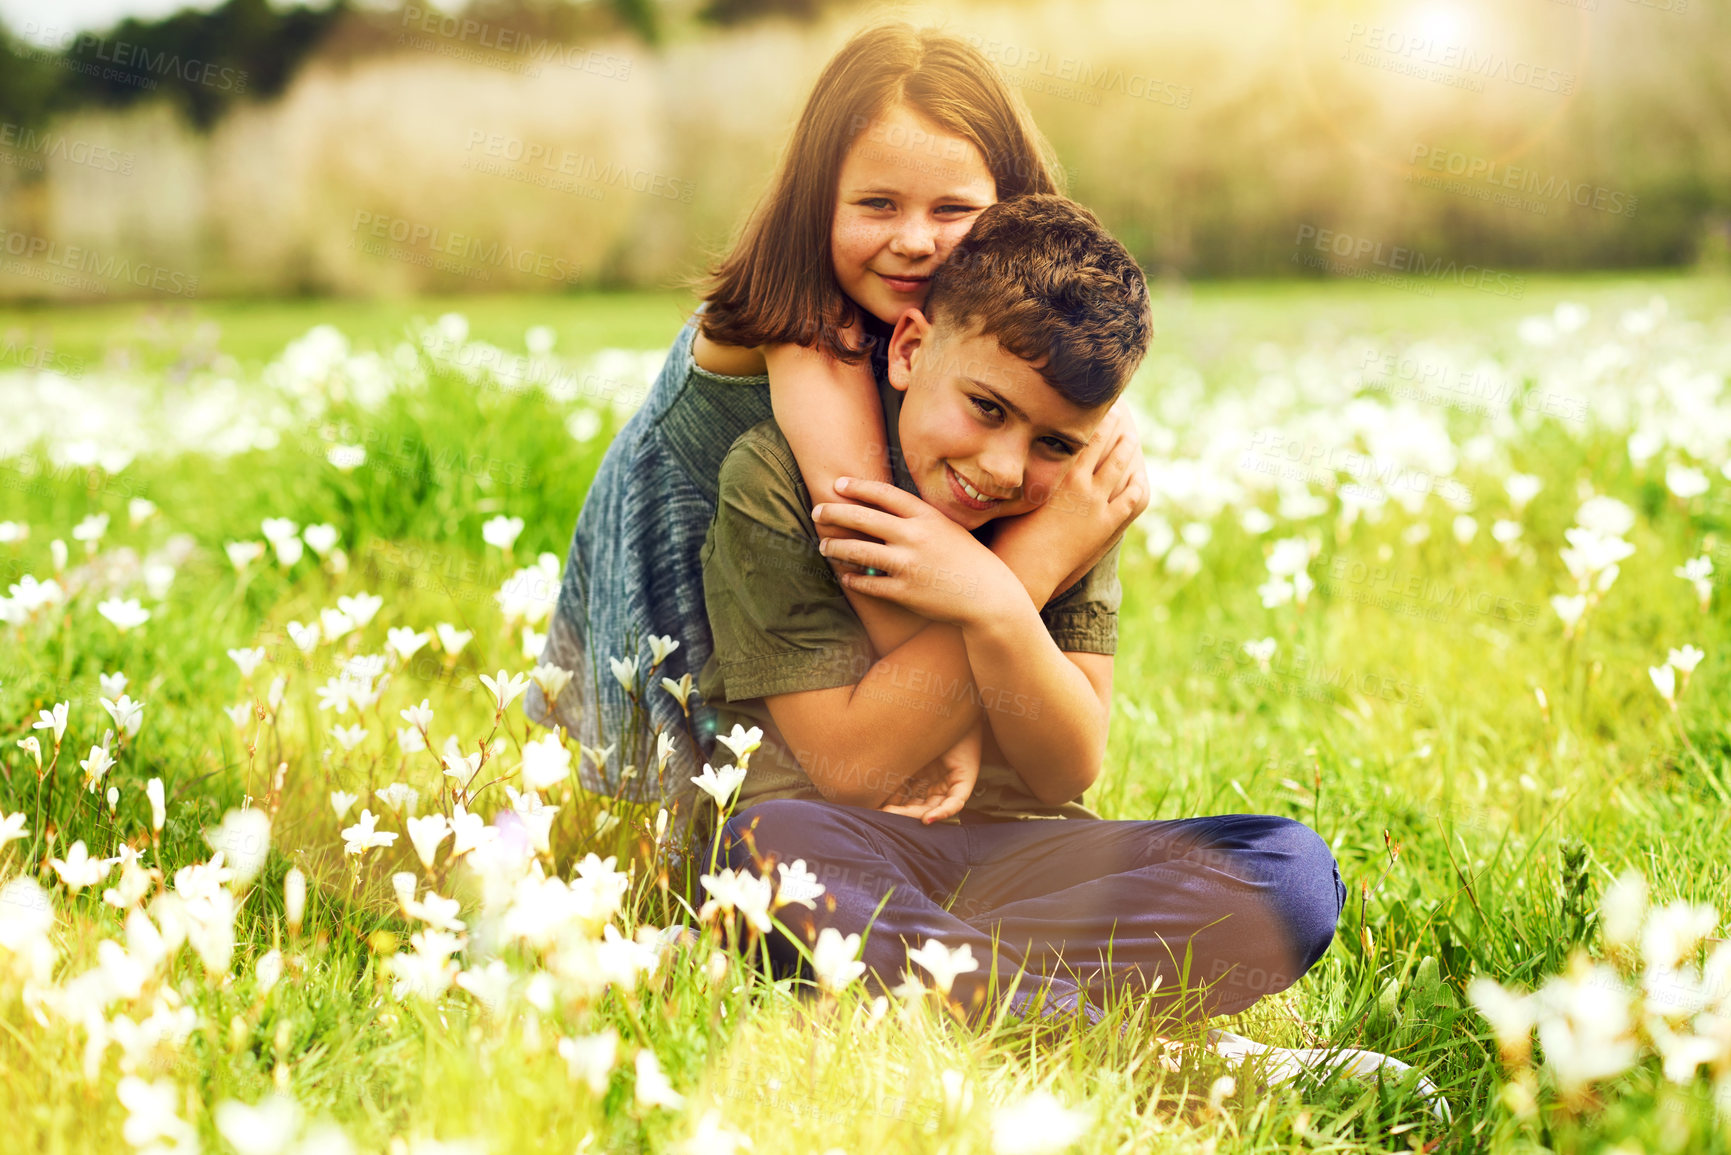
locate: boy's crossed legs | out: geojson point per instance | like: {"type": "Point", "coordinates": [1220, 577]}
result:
{"type": "Point", "coordinates": [1079, 907]}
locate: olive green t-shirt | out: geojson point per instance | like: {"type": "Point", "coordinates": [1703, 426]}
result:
{"type": "Point", "coordinates": [782, 623]}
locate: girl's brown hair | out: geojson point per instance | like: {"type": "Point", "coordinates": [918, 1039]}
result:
{"type": "Point", "coordinates": [778, 284]}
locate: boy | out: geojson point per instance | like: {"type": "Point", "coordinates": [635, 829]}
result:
{"type": "Point", "coordinates": [998, 402]}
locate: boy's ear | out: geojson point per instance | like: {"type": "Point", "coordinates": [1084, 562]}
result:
{"type": "Point", "coordinates": [913, 333]}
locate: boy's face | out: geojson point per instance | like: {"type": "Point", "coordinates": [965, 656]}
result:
{"type": "Point", "coordinates": [977, 417]}
{"type": "Point", "coordinates": [907, 192]}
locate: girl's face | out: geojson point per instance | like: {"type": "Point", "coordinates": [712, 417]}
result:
{"type": "Point", "coordinates": [908, 191]}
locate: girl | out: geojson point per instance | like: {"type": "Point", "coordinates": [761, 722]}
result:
{"type": "Point", "coordinates": [906, 137]}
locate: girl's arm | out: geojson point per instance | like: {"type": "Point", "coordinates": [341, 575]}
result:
{"type": "Point", "coordinates": [831, 416]}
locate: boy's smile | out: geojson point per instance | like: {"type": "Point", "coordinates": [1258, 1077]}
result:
{"type": "Point", "coordinates": [983, 434]}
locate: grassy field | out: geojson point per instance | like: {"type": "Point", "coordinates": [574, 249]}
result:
{"type": "Point", "coordinates": [1411, 686]}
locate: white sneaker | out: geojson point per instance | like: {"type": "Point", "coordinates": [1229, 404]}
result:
{"type": "Point", "coordinates": [1281, 1064]}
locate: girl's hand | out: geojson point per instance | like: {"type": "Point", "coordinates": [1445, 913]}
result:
{"type": "Point", "coordinates": [943, 787]}
{"type": "Point", "coordinates": [925, 562]}
{"type": "Point", "coordinates": [1106, 489]}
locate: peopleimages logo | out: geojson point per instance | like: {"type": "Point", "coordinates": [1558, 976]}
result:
{"type": "Point", "coordinates": [87, 52]}
{"type": "Point", "coordinates": [1524, 180]}
{"type": "Point", "coordinates": [49, 259]}
{"type": "Point", "coordinates": [1400, 259]}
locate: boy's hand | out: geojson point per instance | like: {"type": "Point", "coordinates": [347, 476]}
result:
{"type": "Point", "coordinates": [1103, 492]}
{"type": "Point", "coordinates": [941, 789]}
{"type": "Point", "coordinates": [926, 562]}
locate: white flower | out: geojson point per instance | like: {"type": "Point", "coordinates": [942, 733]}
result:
{"type": "Point", "coordinates": [126, 615]}
{"type": "Point", "coordinates": [127, 714]}
{"type": "Point", "coordinates": [714, 1137]}
{"type": "Point", "coordinates": [247, 660]}
{"type": "Point", "coordinates": [681, 690]}
{"type": "Point", "coordinates": [1522, 488]}
{"type": "Point", "coordinates": [427, 970]}
{"type": "Point", "coordinates": [660, 647]}
{"type": "Point", "coordinates": [501, 532]}
{"type": "Point", "coordinates": [1275, 592]}
{"type": "Point", "coordinates": [140, 510]}
{"type": "Point", "coordinates": [546, 762]}
{"type": "Point", "coordinates": [405, 642]}
{"type": "Point", "coordinates": [346, 458]}
{"type": "Point", "coordinates": [1466, 528]}
{"type": "Point", "coordinates": [90, 530]}
{"type": "Point", "coordinates": [158, 805]}
{"type": "Point", "coordinates": [653, 1089]}
{"type": "Point", "coordinates": [506, 688]}
{"type": "Point", "coordinates": [268, 970]}
{"type": "Point", "coordinates": [1262, 650]}
{"type": "Point", "coordinates": [1289, 556]}
{"type": "Point", "coordinates": [798, 885]}
{"type": "Point", "coordinates": [539, 340]}
{"type": "Point", "coordinates": [1591, 552]}
{"type": "Point", "coordinates": [410, 741]}
{"type": "Point", "coordinates": [1036, 1124]}
{"type": "Point", "coordinates": [31, 746]}
{"type": "Point", "coordinates": [1506, 532]}
{"type": "Point", "coordinates": [11, 828]}
{"type": "Point", "coordinates": [335, 623]}
{"type": "Point", "coordinates": [113, 685]}
{"type": "Point", "coordinates": [244, 840]}
{"type": "Point", "coordinates": [399, 796]}
{"type": "Point", "coordinates": [294, 892]}
{"type": "Point", "coordinates": [741, 741]}
{"type": "Point", "coordinates": [321, 538]}
{"type": "Point", "coordinates": [451, 639]}
{"type": "Point", "coordinates": [1570, 608]}
{"type": "Point", "coordinates": [238, 713]}
{"type": "Point", "coordinates": [737, 891]}
{"type": "Point", "coordinates": [1606, 516]}
{"type": "Point", "coordinates": [835, 959]}
{"type": "Point", "coordinates": [360, 608]}
{"type": "Point", "coordinates": [267, 1128]}
{"type": "Point", "coordinates": [305, 638]}
{"type": "Point", "coordinates": [243, 553]}
{"type": "Point", "coordinates": [591, 1058]}
{"type": "Point", "coordinates": [425, 834]}
{"type": "Point", "coordinates": [95, 766]}
{"type": "Point", "coordinates": [720, 784]}
{"type": "Point", "coordinates": [151, 1118]}
{"type": "Point", "coordinates": [12, 532]}
{"type": "Point", "coordinates": [944, 964]}
{"type": "Point", "coordinates": [289, 551]}
{"type": "Point", "coordinates": [364, 835]}
{"type": "Point", "coordinates": [625, 673]}
{"type": "Point", "coordinates": [1685, 659]}
{"type": "Point", "coordinates": [78, 870]}
{"type": "Point", "coordinates": [1685, 480]}
{"type": "Point", "coordinates": [552, 680]}
{"type": "Point", "coordinates": [335, 694]}
{"type": "Point", "coordinates": [277, 528]}
{"type": "Point", "coordinates": [1665, 681]}
{"type": "Point", "coordinates": [53, 720]}
{"type": "Point", "coordinates": [349, 736]}
{"type": "Point", "coordinates": [469, 831]}
{"type": "Point", "coordinates": [534, 644]}
{"type": "Point", "coordinates": [420, 717]}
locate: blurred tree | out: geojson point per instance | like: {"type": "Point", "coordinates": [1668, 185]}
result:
{"type": "Point", "coordinates": [727, 12]}
{"type": "Point", "coordinates": [203, 62]}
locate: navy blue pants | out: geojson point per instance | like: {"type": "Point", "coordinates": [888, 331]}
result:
{"type": "Point", "coordinates": [1219, 910]}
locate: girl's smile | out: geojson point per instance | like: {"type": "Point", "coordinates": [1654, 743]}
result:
{"type": "Point", "coordinates": [908, 191]}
